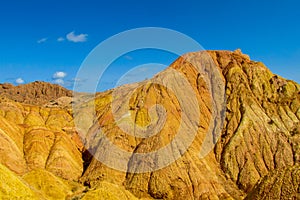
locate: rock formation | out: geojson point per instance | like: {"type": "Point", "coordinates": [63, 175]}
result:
{"type": "Point", "coordinates": [256, 155]}
{"type": "Point", "coordinates": [36, 93]}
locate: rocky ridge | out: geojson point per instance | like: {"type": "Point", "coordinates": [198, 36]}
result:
{"type": "Point", "coordinates": [36, 93]}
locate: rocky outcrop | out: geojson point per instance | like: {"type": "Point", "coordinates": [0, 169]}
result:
{"type": "Point", "coordinates": [36, 93]}
{"type": "Point", "coordinates": [262, 112]}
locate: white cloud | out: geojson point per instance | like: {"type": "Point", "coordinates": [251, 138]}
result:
{"type": "Point", "coordinates": [60, 39]}
{"type": "Point", "coordinates": [72, 37]}
{"type": "Point", "coordinates": [59, 75]}
{"type": "Point", "coordinates": [20, 81]}
{"type": "Point", "coordinates": [42, 40]}
{"type": "Point", "coordinates": [59, 81]}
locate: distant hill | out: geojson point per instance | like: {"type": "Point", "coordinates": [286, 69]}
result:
{"type": "Point", "coordinates": [36, 93]}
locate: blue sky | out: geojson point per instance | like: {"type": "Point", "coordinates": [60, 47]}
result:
{"type": "Point", "coordinates": [48, 40]}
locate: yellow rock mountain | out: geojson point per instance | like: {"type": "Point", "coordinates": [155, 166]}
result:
{"type": "Point", "coordinates": [255, 153]}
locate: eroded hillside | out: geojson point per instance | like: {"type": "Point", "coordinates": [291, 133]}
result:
{"type": "Point", "coordinates": [256, 156]}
